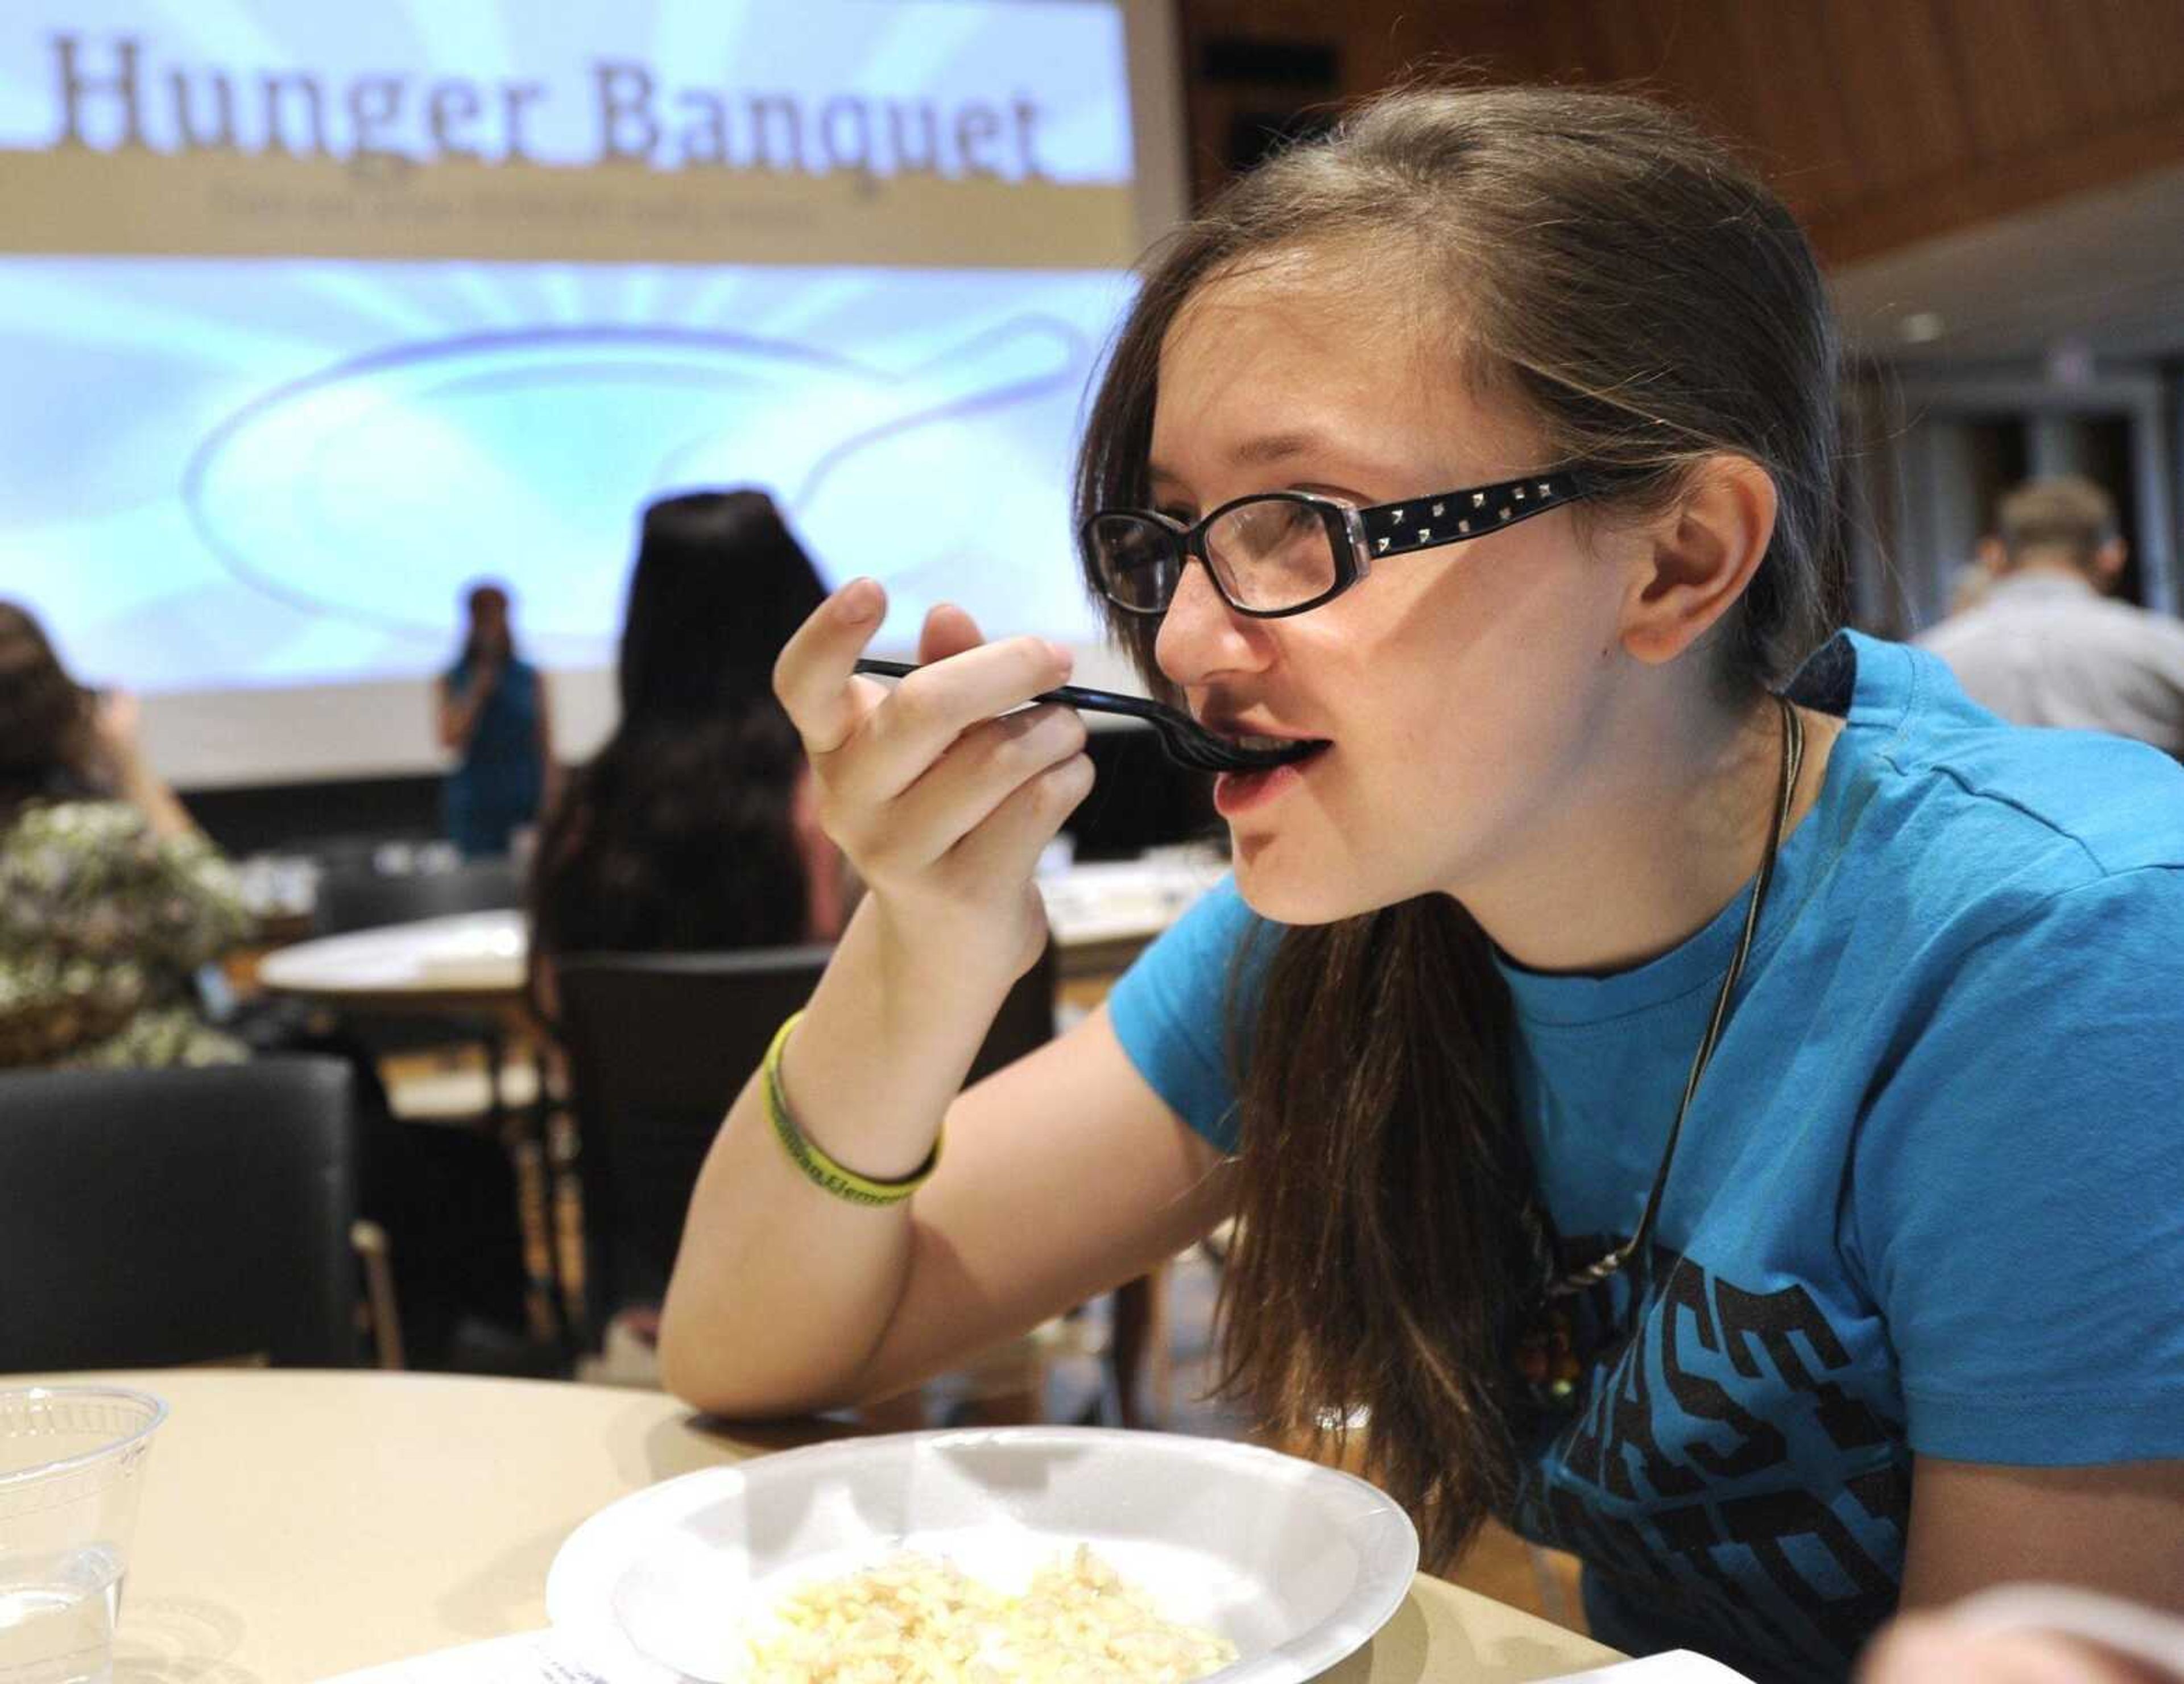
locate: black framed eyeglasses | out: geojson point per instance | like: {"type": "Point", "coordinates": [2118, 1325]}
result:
{"type": "Point", "coordinates": [1277, 553]}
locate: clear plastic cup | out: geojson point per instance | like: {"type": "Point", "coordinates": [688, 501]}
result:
{"type": "Point", "coordinates": [72, 1465]}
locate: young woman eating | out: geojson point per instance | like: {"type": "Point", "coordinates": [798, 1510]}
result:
{"type": "Point", "coordinates": [1704, 1094]}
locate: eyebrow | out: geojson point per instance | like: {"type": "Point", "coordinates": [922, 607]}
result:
{"type": "Point", "coordinates": [1261, 450]}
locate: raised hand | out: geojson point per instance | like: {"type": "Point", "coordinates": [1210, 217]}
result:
{"type": "Point", "coordinates": [941, 805]}
{"type": "Point", "coordinates": [115, 721]}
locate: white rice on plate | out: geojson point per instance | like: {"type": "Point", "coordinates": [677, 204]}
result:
{"type": "Point", "coordinates": [918, 1620]}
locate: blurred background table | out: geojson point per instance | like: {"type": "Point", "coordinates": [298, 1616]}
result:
{"type": "Point", "coordinates": [1102, 914]}
{"type": "Point", "coordinates": [466, 963]}
{"type": "Point", "coordinates": [296, 1524]}
{"type": "Point", "coordinates": [472, 966]}
{"type": "Point", "coordinates": [469, 967]}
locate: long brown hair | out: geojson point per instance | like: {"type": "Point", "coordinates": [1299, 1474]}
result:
{"type": "Point", "coordinates": [1648, 304]}
{"type": "Point", "coordinates": [678, 834]}
{"type": "Point", "coordinates": [46, 740]}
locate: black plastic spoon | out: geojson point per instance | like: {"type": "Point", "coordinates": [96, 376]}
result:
{"type": "Point", "coordinates": [1188, 743]}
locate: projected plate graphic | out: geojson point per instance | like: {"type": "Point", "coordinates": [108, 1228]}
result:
{"type": "Point", "coordinates": [374, 489]}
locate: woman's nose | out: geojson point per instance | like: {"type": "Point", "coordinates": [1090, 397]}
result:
{"type": "Point", "coordinates": [1201, 636]}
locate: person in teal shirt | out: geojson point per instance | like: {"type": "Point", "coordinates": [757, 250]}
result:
{"type": "Point", "coordinates": [1687, 1084]}
{"type": "Point", "coordinates": [494, 711]}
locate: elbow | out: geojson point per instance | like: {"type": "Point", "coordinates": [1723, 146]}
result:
{"type": "Point", "coordinates": [715, 1384]}
{"type": "Point", "coordinates": [700, 1366]}
{"type": "Point", "coordinates": [690, 1372]}
{"type": "Point", "coordinates": [707, 1371]}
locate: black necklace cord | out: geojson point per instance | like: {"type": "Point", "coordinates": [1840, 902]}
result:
{"type": "Point", "coordinates": [1573, 1281]}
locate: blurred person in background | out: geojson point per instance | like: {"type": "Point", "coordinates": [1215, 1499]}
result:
{"type": "Point", "coordinates": [111, 901]}
{"type": "Point", "coordinates": [2045, 644]}
{"type": "Point", "coordinates": [111, 898]}
{"type": "Point", "coordinates": [495, 713]}
{"type": "Point", "coordinates": [1971, 582]}
{"type": "Point", "coordinates": [693, 829]}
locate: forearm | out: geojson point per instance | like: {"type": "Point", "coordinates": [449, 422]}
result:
{"type": "Point", "coordinates": [458, 721]}
{"type": "Point", "coordinates": [549, 763]}
{"type": "Point", "coordinates": [2027, 1632]}
{"type": "Point", "coordinates": [783, 1292]}
{"type": "Point", "coordinates": [144, 790]}
{"type": "Point", "coordinates": [944, 791]}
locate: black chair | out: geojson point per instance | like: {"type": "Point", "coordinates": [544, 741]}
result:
{"type": "Point", "coordinates": [659, 1047]}
{"type": "Point", "coordinates": [156, 1217]}
{"type": "Point", "coordinates": [449, 1187]}
{"type": "Point", "coordinates": [362, 899]}
{"type": "Point", "coordinates": [365, 899]}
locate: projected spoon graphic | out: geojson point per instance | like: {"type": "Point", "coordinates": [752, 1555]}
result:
{"type": "Point", "coordinates": [374, 490]}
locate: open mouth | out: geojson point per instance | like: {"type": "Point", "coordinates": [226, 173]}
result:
{"type": "Point", "coordinates": [1239, 789]}
{"type": "Point", "coordinates": [1238, 749]}
{"type": "Point", "coordinates": [1251, 752]}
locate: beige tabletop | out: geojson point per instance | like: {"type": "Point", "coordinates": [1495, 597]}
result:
{"type": "Point", "coordinates": [298, 1524]}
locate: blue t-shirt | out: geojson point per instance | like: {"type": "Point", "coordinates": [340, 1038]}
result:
{"type": "Point", "coordinates": [1930, 1196]}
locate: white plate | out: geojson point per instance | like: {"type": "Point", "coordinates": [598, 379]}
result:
{"type": "Point", "coordinates": [1298, 1565]}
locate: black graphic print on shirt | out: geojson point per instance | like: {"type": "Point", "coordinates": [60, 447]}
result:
{"type": "Point", "coordinates": [1722, 1470]}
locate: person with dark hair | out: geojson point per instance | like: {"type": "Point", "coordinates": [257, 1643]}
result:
{"type": "Point", "coordinates": [111, 898]}
{"type": "Point", "coordinates": [2045, 643]}
{"type": "Point", "coordinates": [691, 829]}
{"type": "Point", "coordinates": [1696, 1088]}
{"type": "Point", "coordinates": [494, 711]}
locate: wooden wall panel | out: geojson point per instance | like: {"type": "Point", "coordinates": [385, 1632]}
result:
{"type": "Point", "coordinates": [1895, 80]}
{"type": "Point", "coordinates": [1379, 40]}
{"type": "Point", "coordinates": [1999, 65]}
{"type": "Point", "coordinates": [2129, 30]}
{"type": "Point", "coordinates": [1801, 137]}
{"type": "Point", "coordinates": [1881, 121]}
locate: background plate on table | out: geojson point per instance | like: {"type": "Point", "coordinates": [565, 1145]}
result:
{"type": "Point", "coordinates": [1296, 1564]}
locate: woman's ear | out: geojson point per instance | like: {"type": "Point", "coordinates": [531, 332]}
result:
{"type": "Point", "coordinates": [1693, 563]}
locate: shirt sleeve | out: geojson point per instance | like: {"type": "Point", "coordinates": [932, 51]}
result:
{"type": "Point", "coordinates": [2018, 1187]}
{"type": "Point", "coordinates": [109, 889]}
{"type": "Point", "coordinates": [195, 911]}
{"type": "Point", "coordinates": [1170, 1010]}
